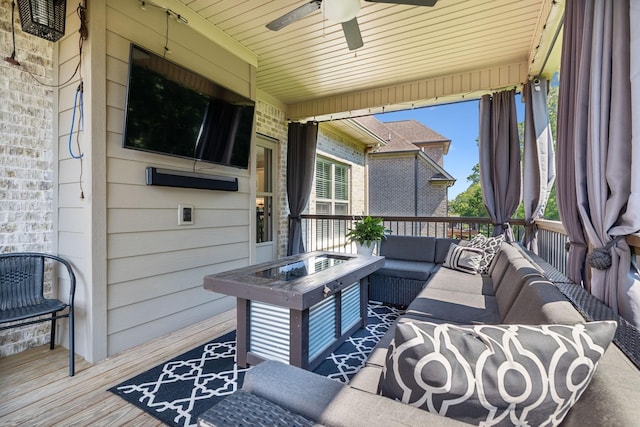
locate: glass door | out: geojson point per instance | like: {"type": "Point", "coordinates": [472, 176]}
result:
{"type": "Point", "coordinates": [265, 166]}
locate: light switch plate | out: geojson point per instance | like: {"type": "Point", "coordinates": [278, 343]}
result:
{"type": "Point", "coordinates": [185, 214]}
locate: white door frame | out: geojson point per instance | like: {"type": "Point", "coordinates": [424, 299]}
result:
{"type": "Point", "coordinates": [267, 251]}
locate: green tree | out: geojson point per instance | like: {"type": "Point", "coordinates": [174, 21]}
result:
{"type": "Point", "coordinates": [469, 203]}
{"type": "Point", "coordinates": [474, 178]}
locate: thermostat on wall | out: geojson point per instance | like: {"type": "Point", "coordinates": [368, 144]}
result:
{"type": "Point", "coordinates": [185, 214]}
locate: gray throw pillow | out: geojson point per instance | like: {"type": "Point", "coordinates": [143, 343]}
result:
{"type": "Point", "coordinates": [463, 258]}
{"type": "Point", "coordinates": [494, 374]}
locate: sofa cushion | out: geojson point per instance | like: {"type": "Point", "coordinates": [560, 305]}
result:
{"type": "Point", "coordinates": [455, 306]}
{"type": "Point", "coordinates": [329, 402]}
{"type": "Point", "coordinates": [501, 261]}
{"type": "Point", "coordinates": [452, 280]}
{"type": "Point", "coordinates": [410, 248]}
{"type": "Point", "coordinates": [442, 248]}
{"type": "Point", "coordinates": [518, 271]}
{"type": "Point", "coordinates": [515, 374]}
{"type": "Point", "coordinates": [613, 395]}
{"type": "Point", "coordinates": [405, 269]}
{"type": "Point", "coordinates": [464, 259]}
{"type": "Point", "coordinates": [541, 302]}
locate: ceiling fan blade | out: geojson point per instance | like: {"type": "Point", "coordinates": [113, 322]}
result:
{"type": "Point", "coordinates": [294, 15]}
{"type": "Point", "coordinates": [352, 34]}
{"type": "Point", "coordinates": [408, 2]}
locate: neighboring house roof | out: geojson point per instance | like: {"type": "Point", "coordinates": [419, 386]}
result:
{"type": "Point", "coordinates": [407, 137]}
{"type": "Point", "coordinates": [394, 141]}
{"type": "Point", "coordinates": [418, 134]}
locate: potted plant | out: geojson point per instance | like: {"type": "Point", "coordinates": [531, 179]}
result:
{"type": "Point", "coordinates": [365, 233]}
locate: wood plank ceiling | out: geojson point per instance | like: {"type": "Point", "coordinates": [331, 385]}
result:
{"type": "Point", "coordinates": [309, 59]}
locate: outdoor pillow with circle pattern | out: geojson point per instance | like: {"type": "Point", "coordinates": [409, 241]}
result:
{"type": "Point", "coordinates": [494, 374]}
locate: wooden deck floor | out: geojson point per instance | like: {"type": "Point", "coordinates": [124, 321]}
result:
{"type": "Point", "coordinates": [35, 389]}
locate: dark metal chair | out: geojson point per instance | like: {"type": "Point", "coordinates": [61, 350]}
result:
{"type": "Point", "coordinates": [22, 300]}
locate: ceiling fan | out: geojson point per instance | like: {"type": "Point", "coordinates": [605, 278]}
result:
{"type": "Point", "coordinates": [343, 11]}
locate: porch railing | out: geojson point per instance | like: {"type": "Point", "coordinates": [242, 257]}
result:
{"type": "Point", "coordinates": [327, 232]}
{"type": "Point", "coordinates": [552, 239]}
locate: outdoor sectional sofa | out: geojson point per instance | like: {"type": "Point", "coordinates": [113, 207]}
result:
{"type": "Point", "coordinates": [451, 314]}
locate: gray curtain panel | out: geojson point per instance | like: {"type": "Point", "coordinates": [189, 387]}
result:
{"type": "Point", "coordinates": [500, 159]}
{"type": "Point", "coordinates": [539, 170]}
{"type": "Point", "coordinates": [566, 140]}
{"type": "Point", "coordinates": [605, 166]}
{"type": "Point", "coordinates": [301, 155]}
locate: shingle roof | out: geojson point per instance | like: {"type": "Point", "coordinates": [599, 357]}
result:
{"type": "Point", "coordinates": [407, 136]}
{"type": "Point", "coordinates": [415, 132]}
{"type": "Point", "coordinates": [404, 135]}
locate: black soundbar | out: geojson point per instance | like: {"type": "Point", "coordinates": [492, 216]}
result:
{"type": "Point", "coordinates": [169, 178]}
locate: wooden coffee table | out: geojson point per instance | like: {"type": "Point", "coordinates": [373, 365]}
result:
{"type": "Point", "coordinates": [297, 309]}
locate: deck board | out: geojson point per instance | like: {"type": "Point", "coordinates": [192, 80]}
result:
{"type": "Point", "coordinates": [35, 388]}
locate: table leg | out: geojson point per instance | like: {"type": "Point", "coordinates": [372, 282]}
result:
{"type": "Point", "coordinates": [364, 299]}
{"type": "Point", "coordinates": [242, 327]}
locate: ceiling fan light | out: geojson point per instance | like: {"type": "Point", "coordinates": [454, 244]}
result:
{"type": "Point", "coordinates": [341, 10]}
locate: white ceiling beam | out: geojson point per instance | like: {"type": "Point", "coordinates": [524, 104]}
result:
{"type": "Point", "coordinates": [469, 85]}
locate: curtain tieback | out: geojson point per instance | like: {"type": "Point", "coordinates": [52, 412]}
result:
{"type": "Point", "coordinates": [600, 258]}
{"type": "Point", "coordinates": [295, 218]}
{"type": "Point", "coordinates": [504, 225]}
{"type": "Point", "coordinates": [569, 243]}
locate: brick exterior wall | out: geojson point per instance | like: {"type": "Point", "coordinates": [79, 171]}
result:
{"type": "Point", "coordinates": [26, 159]}
{"type": "Point", "coordinates": [436, 154]}
{"type": "Point", "coordinates": [334, 146]}
{"type": "Point", "coordinates": [271, 122]}
{"type": "Point", "coordinates": [392, 188]}
{"type": "Point", "coordinates": [432, 198]}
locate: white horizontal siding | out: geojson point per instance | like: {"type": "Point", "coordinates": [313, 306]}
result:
{"type": "Point", "coordinates": [133, 244]}
{"type": "Point", "coordinates": [136, 291]}
{"type": "Point", "coordinates": [137, 220]}
{"type": "Point", "coordinates": [154, 266]}
{"type": "Point", "coordinates": [122, 340]}
{"type": "Point", "coordinates": [156, 263]}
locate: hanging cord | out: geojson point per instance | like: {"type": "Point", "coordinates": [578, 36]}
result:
{"type": "Point", "coordinates": [12, 59]}
{"type": "Point", "coordinates": [78, 101]}
{"type": "Point", "coordinates": [84, 34]}
{"type": "Point", "coordinates": [169, 14]}
{"type": "Point", "coordinates": [166, 37]}
{"type": "Point", "coordinates": [78, 104]}
{"type": "Point", "coordinates": [80, 107]}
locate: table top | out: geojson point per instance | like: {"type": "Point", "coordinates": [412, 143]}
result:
{"type": "Point", "coordinates": [297, 281]}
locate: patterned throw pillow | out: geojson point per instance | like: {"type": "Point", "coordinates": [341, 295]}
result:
{"type": "Point", "coordinates": [463, 258]}
{"type": "Point", "coordinates": [478, 241]}
{"type": "Point", "coordinates": [490, 245]}
{"type": "Point", "coordinates": [494, 374]}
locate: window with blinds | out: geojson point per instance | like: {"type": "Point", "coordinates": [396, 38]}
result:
{"type": "Point", "coordinates": [332, 198]}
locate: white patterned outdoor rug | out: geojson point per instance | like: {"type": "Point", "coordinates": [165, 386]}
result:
{"type": "Point", "coordinates": [178, 391]}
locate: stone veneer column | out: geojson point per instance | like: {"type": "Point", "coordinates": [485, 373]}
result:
{"type": "Point", "coordinates": [26, 158]}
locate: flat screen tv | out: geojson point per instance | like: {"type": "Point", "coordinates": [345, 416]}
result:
{"type": "Point", "coordinates": [173, 111]}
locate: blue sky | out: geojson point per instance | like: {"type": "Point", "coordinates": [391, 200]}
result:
{"type": "Point", "coordinates": [459, 123]}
